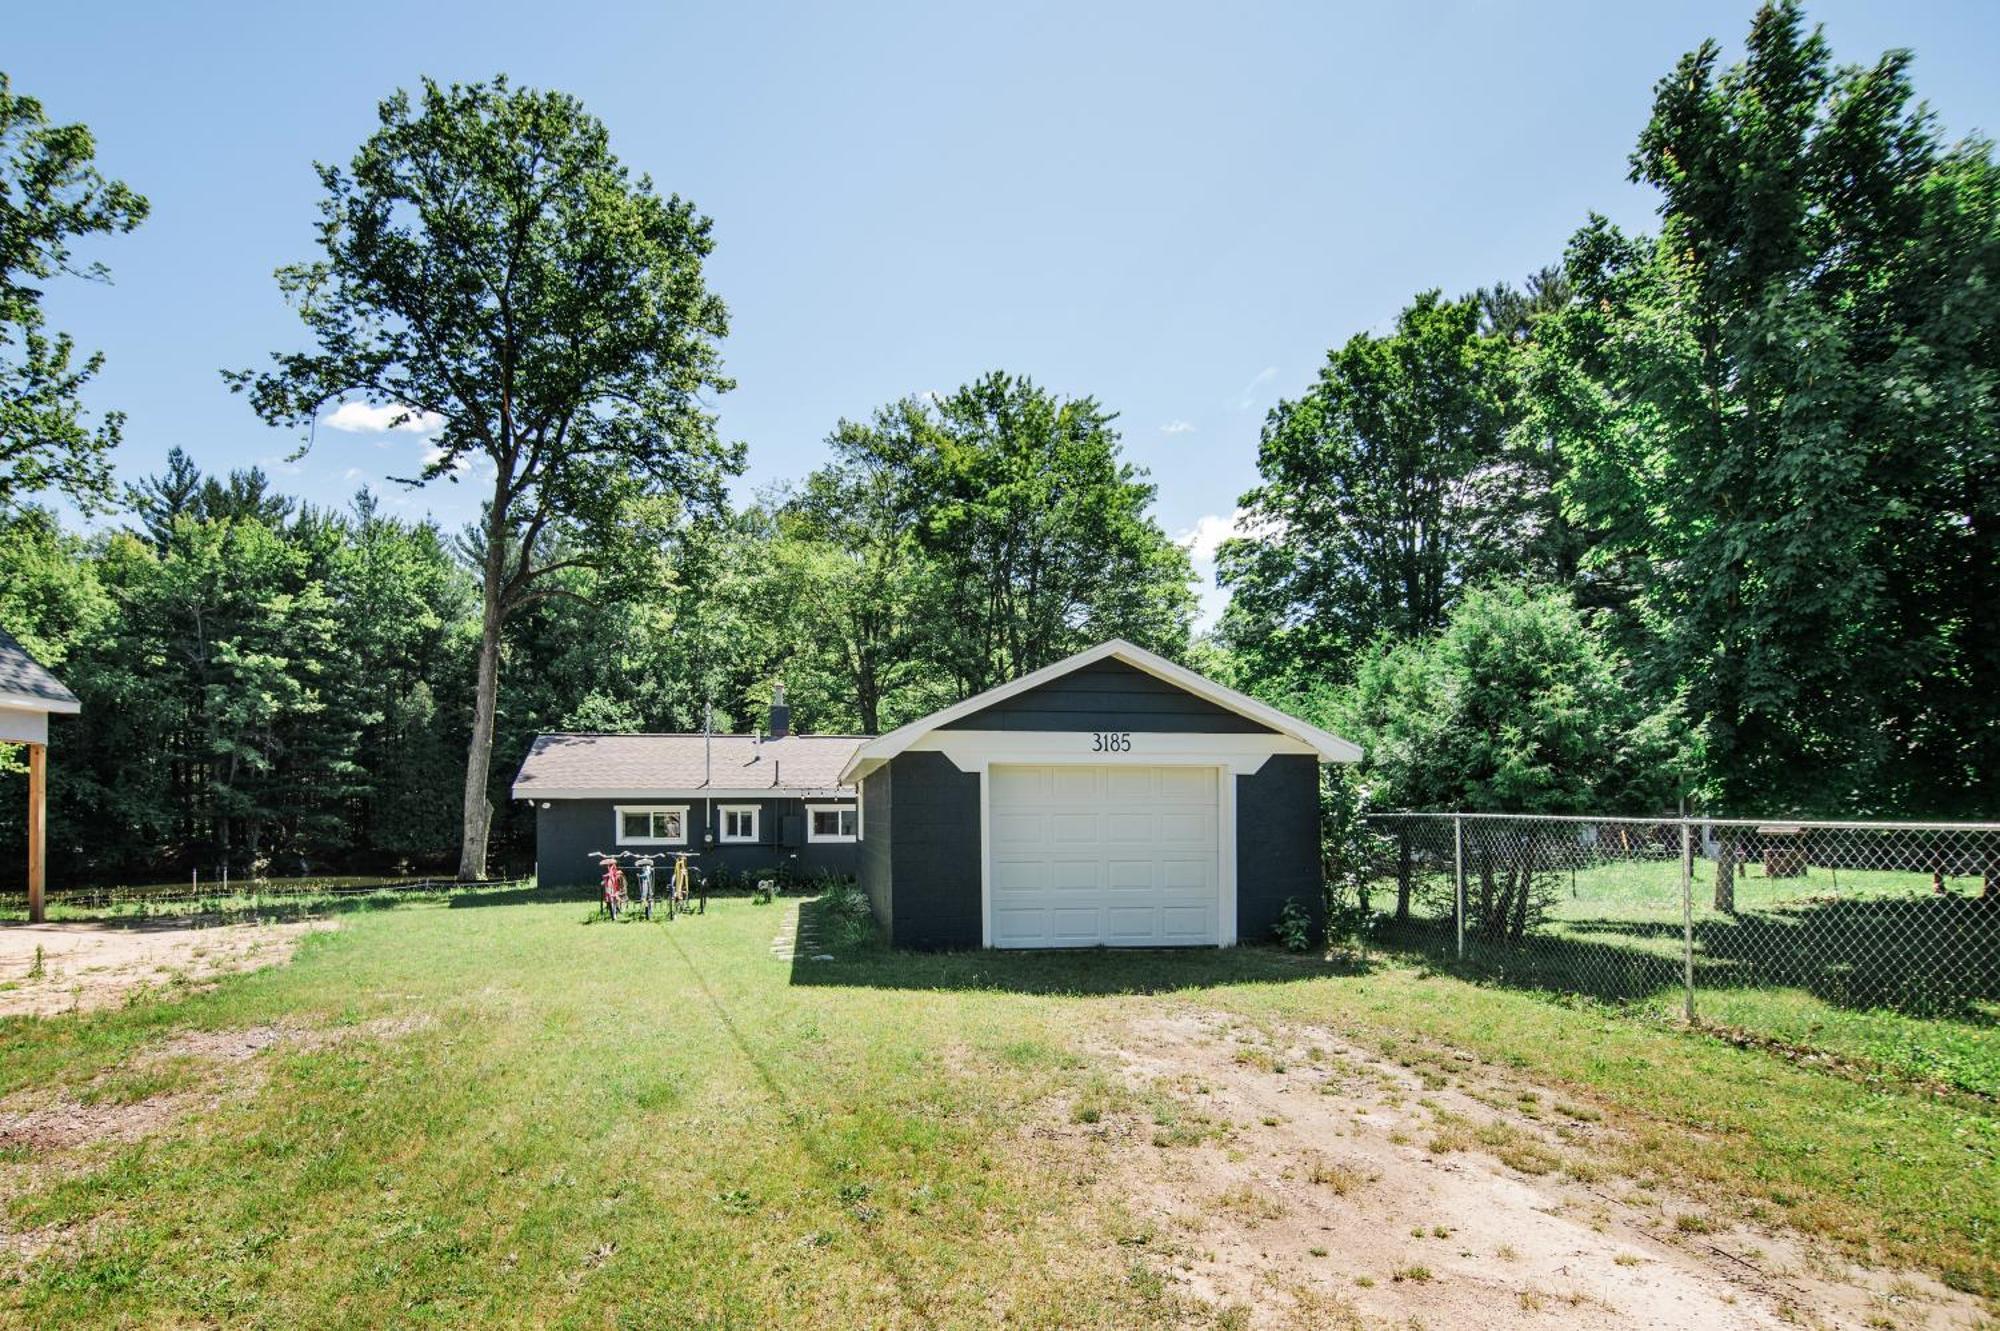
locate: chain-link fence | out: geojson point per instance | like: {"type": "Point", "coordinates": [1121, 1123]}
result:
{"type": "Point", "coordinates": [1859, 916]}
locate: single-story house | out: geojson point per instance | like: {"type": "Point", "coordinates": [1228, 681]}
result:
{"type": "Point", "coordinates": [1113, 799]}
{"type": "Point", "coordinates": [745, 804]}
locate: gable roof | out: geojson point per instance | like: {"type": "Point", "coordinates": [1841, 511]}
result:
{"type": "Point", "coordinates": [1330, 747]}
{"type": "Point", "coordinates": [26, 682]}
{"type": "Point", "coordinates": [644, 766]}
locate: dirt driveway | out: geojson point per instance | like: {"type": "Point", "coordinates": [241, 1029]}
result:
{"type": "Point", "coordinates": [1290, 1178]}
{"type": "Point", "coordinates": [51, 968]}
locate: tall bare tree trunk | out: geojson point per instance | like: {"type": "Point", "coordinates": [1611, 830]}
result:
{"type": "Point", "coordinates": [1725, 873]}
{"type": "Point", "coordinates": [478, 814]}
{"type": "Point", "coordinates": [479, 756]}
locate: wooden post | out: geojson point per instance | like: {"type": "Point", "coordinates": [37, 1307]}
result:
{"type": "Point", "coordinates": [38, 828]}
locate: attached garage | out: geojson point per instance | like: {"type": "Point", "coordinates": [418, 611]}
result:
{"type": "Point", "coordinates": [1114, 799]}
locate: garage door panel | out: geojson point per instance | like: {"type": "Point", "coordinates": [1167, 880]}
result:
{"type": "Point", "coordinates": [1187, 924]}
{"type": "Point", "coordinates": [1074, 829]}
{"type": "Point", "coordinates": [1103, 855]}
{"type": "Point", "coordinates": [1067, 875]}
{"type": "Point", "coordinates": [1017, 829]}
{"type": "Point", "coordinates": [1128, 875]}
{"type": "Point", "coordinates": [1018, 783]}
{"type": "Point", "coordinates": [1131, 785]}
{"type": "Point", "coordinates": [1013, 875]}
{"type": "Point", "coordinates": [1076, 926]}
{"type": "Point", "coordinates": [1139, 828]}
{"type": "Point", "coordinates": [1132, 924]}
{"type": "Point", "coordinates": [1075, 783]}
{"type": "Point", "coordinates": [1192, 785]}
{"type": "Point", "coordinates": [1017, 928]}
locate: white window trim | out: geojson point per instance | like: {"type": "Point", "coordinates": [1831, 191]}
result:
{"type": "Point", "coordinates": [619, 811]}
{"type": "Point", "coordinates": [722, 812]}
{"type": "Point", "coordinates": [814, 838]}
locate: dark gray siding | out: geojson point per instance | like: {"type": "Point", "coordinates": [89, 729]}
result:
{"type": "Point", "coordinates": [875, 866]}
{"type": "Point", "coordinates": [934, 849]}
{"type": "Point", "coordinates": [1277, 844]}
{"type": "Point", "coordinates": [568, 830]}
{"type": "Point", "coordinates": [1108, 695]}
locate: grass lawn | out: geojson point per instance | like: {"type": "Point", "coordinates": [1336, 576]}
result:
{"type": "Point", "coordinates": [489, 1110]}
{"type": "Point", "coordinates": [1870, 966]}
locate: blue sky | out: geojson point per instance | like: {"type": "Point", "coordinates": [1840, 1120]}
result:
{"type": "Point", "coordinates": [1177, 208]}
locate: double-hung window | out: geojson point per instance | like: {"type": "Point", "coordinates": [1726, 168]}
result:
{"type": "Point", "coordinates": [737, 823]}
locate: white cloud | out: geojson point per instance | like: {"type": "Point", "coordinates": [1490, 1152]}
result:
{"type": "Point", "coordinates": [1248, 397]}
{"type": "Point", "coordinates": [1177, 427]}
{"type": "Point", "coordinates": [1201, 541]}
{"type": "Point", "coordinates": [352, 474]}
{"type": "Point", "coordinates": [365, 418]}
{"type": "Point", "coordinates": [1210, 530]}
{"type": "Point", "coordinates": [434, 454]}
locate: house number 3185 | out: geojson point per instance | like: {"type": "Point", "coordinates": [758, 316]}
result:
{"type": "Point", "coordinates": [1111, 741]}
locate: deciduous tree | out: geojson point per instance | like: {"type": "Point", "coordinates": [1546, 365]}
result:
{"type": "Point", "coordinates": [51, 194]}
{"type": "Point", "coordinates": [488, 262]}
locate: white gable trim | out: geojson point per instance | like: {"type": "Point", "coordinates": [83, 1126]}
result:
{"type": "Point", "coordinates": [1330, 747]}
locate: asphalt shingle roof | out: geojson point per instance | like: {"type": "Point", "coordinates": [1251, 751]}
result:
{"type": "Point", "coordinates": [674, 764]}
{"type": "Point", "coordinates": [22, 676]}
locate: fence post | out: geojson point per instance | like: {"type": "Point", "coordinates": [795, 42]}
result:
{"type": "Point", "coordinates": [1687, 915]}
{"type": "Point", "coordinates": [1458, 879]}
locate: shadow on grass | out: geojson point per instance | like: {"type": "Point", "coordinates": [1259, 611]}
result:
{"type": "Point", "coordinates": [1922, 956]}
{"type": "Point", "coordinates": [862, 960]}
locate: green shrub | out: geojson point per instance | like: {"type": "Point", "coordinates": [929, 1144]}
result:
{"type": "Point", "coordinates": [1295, 926]}
{"type": "Point", "coordinates": [845, 907]}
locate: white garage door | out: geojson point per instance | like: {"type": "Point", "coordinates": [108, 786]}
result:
{"type": "Point", "coordinates": [1119, 856]}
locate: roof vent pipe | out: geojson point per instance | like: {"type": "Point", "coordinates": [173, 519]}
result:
{"type": "Point", "coordinates": [781, 715]}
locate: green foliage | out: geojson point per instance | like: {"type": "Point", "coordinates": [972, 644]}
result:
{"type": "Point", "coordinates": [1350, 850]}
{"type": "Point", "coordinates": [845, 908]}
{"type": "Point", "coordinates": [490, 264]}
{"type": "Point", "coordinates": [1294, 929]}
{"type": "Point", "coordinates": [1516, 706]}
{"type": "Point", "coordinates": [1387, 488]}
{"type": "Point", "coordinates": [1782, 421]}
{"type": "Point", "coordinates": [256, 692]}
{"type": "Point", "coordinates": [51, 195]}
{"type": "Point", "coordinates": [1033, 532]}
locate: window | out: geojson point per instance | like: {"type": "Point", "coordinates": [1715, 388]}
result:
{"type": "Point", "coordinates": [652, 825]}
{"type": "Point", "coordinates": [738, 822]}
{"type": "Point", "coordinates": [831, 822]}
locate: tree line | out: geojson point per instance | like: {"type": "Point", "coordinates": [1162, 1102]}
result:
{"type": "Point", "coordinates": [284, 688]}
{"type": "Point", "coordinates": [1706, 518]}
{"type": "Point", "coordinates": [1700, 518]}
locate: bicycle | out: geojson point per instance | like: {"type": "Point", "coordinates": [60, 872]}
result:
{"type": "Point", "coordinates": [680, 888]}
{"type": "Point", "coordinates": [613, 883]}
{"type": "Point", "coordinates": [642, 868]}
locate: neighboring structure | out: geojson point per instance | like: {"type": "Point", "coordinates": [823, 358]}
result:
{"type": "Point", "coordinates": [745, 804]}
{"type": "Point", "coordinates": [28, 694]}
{"type": "Point", "coordinates": [1111, 799]}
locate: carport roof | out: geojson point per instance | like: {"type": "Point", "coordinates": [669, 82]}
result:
{"type": "Point", "coordinates": [27, 684]}
{"type": "Point", "coordinates": [572, 766]}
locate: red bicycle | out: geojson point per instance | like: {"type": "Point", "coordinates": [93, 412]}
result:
{"type": "Point", "coordinates": [613, 884]}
